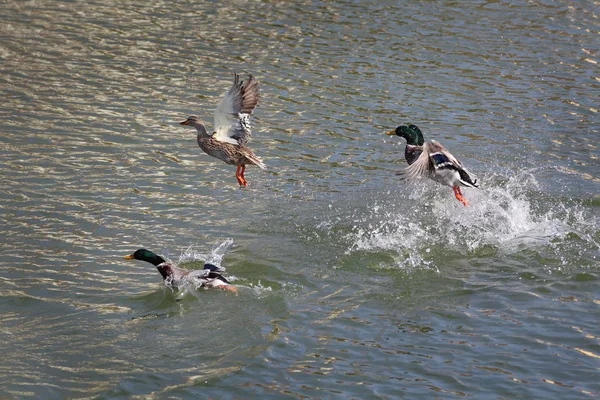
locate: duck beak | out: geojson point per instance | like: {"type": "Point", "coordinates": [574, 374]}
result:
{"type": "Point", "coordinates": [129, 257]}
{"type": "Point", "coordinates": [391, 133]}
{"type": "Point", "coordinates": [184, 122]}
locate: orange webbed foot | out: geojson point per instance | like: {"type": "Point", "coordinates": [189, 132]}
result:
{"type": "Point", "coordinates": [459, 196]}
{"type": "Point", "coordinates": [230, 288]}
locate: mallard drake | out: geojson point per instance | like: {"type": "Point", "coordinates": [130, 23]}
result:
{"type": "Point", "coordinates": [232, 128]}
{"type": "Point", "coordinates": [434, 162]}
{"type": "Point", "coordinates": [209, 277]}
{"type": "Point", "coordinates": [414, 139]}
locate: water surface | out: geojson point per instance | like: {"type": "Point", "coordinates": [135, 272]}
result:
{"type": "Point", "coordinates": [353, 284]}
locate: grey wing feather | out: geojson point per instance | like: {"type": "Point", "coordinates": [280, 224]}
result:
{"type": "Point", "coordinates": [421, 168]}
{"type": "Point", "coordinates": [435, 162]}
{"type": "Point", "coordinates": [249, 95]}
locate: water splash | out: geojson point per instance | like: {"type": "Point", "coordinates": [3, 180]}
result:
{"type": "Point", "coordinates": [260, 290]}
{"type": "Point", "coordinates": [507, 215]}
{"type": "Point", "coordinates": [214, 257]}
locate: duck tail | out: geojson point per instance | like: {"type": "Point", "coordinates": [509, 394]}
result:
{"type": "Point", "coordinates": [217, 277]}
{"type": "Point", "coordinates": [257, 161]}
{"type": "Point", "coordinates": [213, 267]}
{"type": "Point", "coordinates": [467, 180]}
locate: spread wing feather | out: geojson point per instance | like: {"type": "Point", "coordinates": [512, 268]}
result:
{"type": "Point", "coordinates": [232, 116]}
{"type": "Point", "coordinates": [420, 168]}
{"type": "Point", "coordinates": [436, 163]}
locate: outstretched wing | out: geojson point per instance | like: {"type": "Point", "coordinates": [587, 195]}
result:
{"type": "Point", "coordinates": [433, 158]}
{"type": "Point", "coordinates": [232, 116]}
{"type": "Point", "coordinates": [437, 163]}
{"type": "Point", "coordinates": [421, 168]}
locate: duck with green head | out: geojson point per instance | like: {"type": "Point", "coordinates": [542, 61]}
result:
{"type": "Point", "coordinates": [209, 277]}
{"type": "Point", "coordinates": [432, 160]}
{"type": "Point", "coordinates": [414, 139]}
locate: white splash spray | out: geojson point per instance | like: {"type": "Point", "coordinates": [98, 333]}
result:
{"type": "Point", "coordinates": [214, 257]}
{"type": "Point", "coordinates": [506, 214]}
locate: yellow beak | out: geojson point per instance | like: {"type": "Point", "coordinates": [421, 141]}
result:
{"type": "Point", "coordinates": [391, 133]}
{"type": "Point", "coordinates": [129, 257]}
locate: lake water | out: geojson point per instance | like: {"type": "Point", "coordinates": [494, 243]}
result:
{"type": "Point", "coordinates": [353, 283]}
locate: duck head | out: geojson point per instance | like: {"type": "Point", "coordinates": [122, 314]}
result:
{"type": "Point", "coordinates": [198, 124]}
{"type": "Point", "coordinates": [192, 121]}
{"type": "Point", "coordinates": [411, 133]}
{"type": "Point", "coordinates": [146, 255]}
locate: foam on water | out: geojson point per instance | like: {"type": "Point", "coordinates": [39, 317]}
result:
{"type": "Point", "coordinates": [260, 290]}
{"type": "Point", "coordinates": [507, 214]}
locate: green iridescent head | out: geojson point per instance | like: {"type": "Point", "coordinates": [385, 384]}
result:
{"type": "Point", "coordinates": [146, 255]}
{"type": "Point", "coordinates": [411, 133]}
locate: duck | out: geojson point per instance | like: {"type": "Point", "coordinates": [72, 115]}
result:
{"type": "Point", "coordinates": [414, 139]}
{"type": "Point", "coordinates": [434, 162]}
{"type": "Point", "coordinates": [232, 128]}
{"type": "Point", "coordinates": [175, 277]}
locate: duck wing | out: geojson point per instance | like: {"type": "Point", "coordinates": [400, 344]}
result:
{"type": "Point", "coordinates": [209, 272]}
{"type": "Point", "coordinates": [448, 169]}
{"type": "Point", "coordinates": [232, 116]}
{"type": "Point", "coordinates": [215, 272]}
{"type": "Point", "coordinates": [420, 168]}
{"type": "Point", "coordinates": [198, 274]}
{"type": "Point", "coordinates": [439, 164]}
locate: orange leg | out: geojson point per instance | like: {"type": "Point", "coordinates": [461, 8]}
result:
{"type": "Point", "coordinates": [459, 196]}
{"type": "Point", "coordinates": [243, 182]}
{"type": "Point", "coordinates": [239, 175]}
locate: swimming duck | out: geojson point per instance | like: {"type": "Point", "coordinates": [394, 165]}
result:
{"type": "Point", "coordinates": [414, 139]}
{"type": "Point", "coordinates": [209, 277]}
{"type": "Point", "coordinates": [434, 162]}
{"type": "Point", "coordinates": [232, 128]}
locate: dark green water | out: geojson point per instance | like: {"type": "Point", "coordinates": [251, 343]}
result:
{"type": "Point", "coordinates": [353, 284]}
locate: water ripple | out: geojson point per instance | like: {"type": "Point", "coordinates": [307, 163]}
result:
{"type": "Point", "coordinates": [354, 284]}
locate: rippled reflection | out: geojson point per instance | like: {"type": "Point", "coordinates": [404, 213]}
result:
{"type": "Point", "coordinates": [355, 284]}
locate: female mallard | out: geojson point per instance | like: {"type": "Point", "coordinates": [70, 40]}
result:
{"type": "Point", "coordinates": [209, 277]}
{"type": "Point", "coordinates": [434, 162]}
{"type": "Point", "coordinates": [232, 128]}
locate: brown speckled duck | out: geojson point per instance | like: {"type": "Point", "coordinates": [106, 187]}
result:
{"type": "Point", "coordinates": [232, 128]}
{"type": "Point", "coordinates": [209, 277]}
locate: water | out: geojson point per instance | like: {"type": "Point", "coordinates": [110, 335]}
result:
{"type": "Point", "coordinates": [353, 284]}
